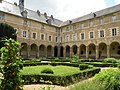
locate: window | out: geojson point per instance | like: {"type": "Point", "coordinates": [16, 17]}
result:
{"type": "Point", "coordinates": [25, 23]}
{"type": "Point", "coordinates": [102, 33]}
{"type": "Point", "coordinates": [91, 24]}
{"type": "Point", "coordinates": [56, 39]}
{"type": "Point", "coordinates": [82, 36]}
{"type": "Point", "coordinates": [67, 38]}
{"type": "Point", "coordinates": [34, 36]}
{"type": "Point", "coordinates": [24, 33]}
{"type": "Point", "coordinates": [42, 36]}
{"type": "Point", "coordinates": [101, 21]}
{"type": "Point", "coordinates": [50, 38]}
{"type": "Point", "coordinates": [1, 16]}
{"type": "Point", "coordinates": [82, 26]}
{"type": "Point", "coordinates": [114, 32]}
{"type": "Point", "coordinates": [114, 18]}
{"type": "Point", "coordinates": [74, 27]}
{"type": "Point", "coordinates": [74, 37]}
{"type": "Point", "coordinates": [67, 28]}
{"type": "Point", "coordinates": [91, 35]}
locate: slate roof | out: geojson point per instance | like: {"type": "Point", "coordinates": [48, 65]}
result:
{"type": "Point", "coordinates": [93, 15]}
{"type": "Point", "coordinates": [15, 10]}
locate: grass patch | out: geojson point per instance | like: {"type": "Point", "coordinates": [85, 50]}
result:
{"type": "Point", "coordinates": [58, 70]}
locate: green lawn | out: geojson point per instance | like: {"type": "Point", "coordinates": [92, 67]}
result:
{"type": "Point", "coordinates": [58, 70]}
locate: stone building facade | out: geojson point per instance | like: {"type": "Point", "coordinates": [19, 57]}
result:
{"type": "Point", "coordinates": [96, 35]}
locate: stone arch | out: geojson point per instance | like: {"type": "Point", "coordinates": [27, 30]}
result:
{"type": "Point", "coordinates": [82, 51]}
{"type": "Point", "coordinates": [74, 49]}
{"type": "Point", "coordinates": [42, 51]}
{"type": "Point", "coordinates": [49, 51]}
{"type": "Point", "coordinates": [56, 51]}
{"type": "Point", "coordinates": [23, 50]}
{"type": "Point", "coordinates": [92, 50]}
{"type": "Point", "coordinates": [102, 50]}
{"type": "Point", "coordinates": [33, 51]}
{"type": "Point", "coordinates": [67, 51]}
{"type": "Point", "coordinates": [61, 51]}
{"type": "Point", "coordinates": [115, 50]}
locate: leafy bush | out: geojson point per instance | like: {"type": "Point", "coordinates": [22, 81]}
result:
{"type": "Point", "coordinates": [12, 64]}
{"type": "Point", "coordinates": [118, 66]}
{"type": "Point", "coordinates": [110, 78]}
{"type": "Point", "coordinates": [74, 59]}
{"type": "Point", "coordinates": [83, 66]}
{"type": "Point", "coordinates": [110, 60]}
{"type": "Point", "coordinates": [47, 71]}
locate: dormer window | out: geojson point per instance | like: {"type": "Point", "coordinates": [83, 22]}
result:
{"type": "Point", "coordinates": [24, 13]}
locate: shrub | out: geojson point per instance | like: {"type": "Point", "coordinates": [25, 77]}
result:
{"type": "Point", "coordinates": [83, 66]}
{"type": "Point", "coordinates": [110, 60]}
{"type": "Point", "coordinates": [118, 66]}
{"type": "Point", "coordinates": [47, 71]}
{"type": "Point", "coordinates": [74, 59]}
{"type": "Point", "coordinates": [110, 78]}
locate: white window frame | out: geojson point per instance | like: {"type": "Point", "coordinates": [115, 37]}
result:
{"type": "Point", "coordinates": [81, 36]}
{"type": "Point", "coordinates": [101, 21]}
{"type": "Point", "coordinates": [2, 17]}
{"type": "Point", "coordinates": [51, 38]}
{"type": "Point", "coordinates": [67, 38]}
{"type": "Point", "coordinates": [90, 35]}
{"type": "Point", "coordinates": [41, 35]}
{"type": "Point", "coordinates": [91, 23]}
{"type": "Point", "coordinates": [26, 35]}
{"type": "Point", "coordinates": [36, 35]}
{"type": "Point", "coordinates": [102, 35]}
{"type": "Point", "coordinates": [114, 18]}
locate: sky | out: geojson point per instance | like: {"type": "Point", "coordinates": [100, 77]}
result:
{"type": "Point", "coordinates": [67, 9]}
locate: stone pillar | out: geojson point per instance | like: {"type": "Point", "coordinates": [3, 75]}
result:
{"type": "Point", "coordinates": [38, 54]}
{"type": "Point", "coordinates": [52, 51]}
{"type": "Point", "coordinates": [46, 52]}
{"type": "Point", "coordinates": [71, 51]}
{"type": "Point", "coordinates": [108, 51]}
{"type": "Point", "coordinates": [97, 52]}
{"type": "Point", "coordinates": [78, 52]}
{"type": "Point", "coordinates": [58, 51]}
{"type": "Point", "coordinates": [28, 51]}
{"type": "Point", "coordinates": [64, 52]}
{"type": "Point", "coordinates": [87, 52]}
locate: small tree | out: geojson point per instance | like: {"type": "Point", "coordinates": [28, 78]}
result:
{"type": "Point", "coordinates": [12, 64]}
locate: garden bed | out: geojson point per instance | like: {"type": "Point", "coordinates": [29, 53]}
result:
{"type": "Point", "coordinates": [63, 75]}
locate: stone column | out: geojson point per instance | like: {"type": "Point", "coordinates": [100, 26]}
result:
{"type": "Point", "coordinates": [46, 52]}
{"type": "Point", "coordinates": [87, 52]}
{"type": "Point", "coordinates": [108, 51]}
{"type": "Point", "coordinates": [71, 51]}
{"type": "Point", "coordinates": [52, 51]}
{"type": "Point", "coordinates": [28, 51]}
{"type": "Point", "coordinates": [97, 52]}
{"type": "Point", "coordinates": [78, 52]}
{"type": "Point", "coordinates": [38, 54]}
{"type": "Point", "coordinates": [64, 52]}
{"type": "Point", "coordinates": [58, 51]}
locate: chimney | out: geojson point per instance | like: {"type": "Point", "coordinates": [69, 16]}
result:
{"type": "Point", "coordinates": [21, 5]}
{"type": "Point", "coordinates": [52, 17]}
{"type": "Point", "coordinates": [1, 1]}
{"type": "Point", "coordinates": [15, 3]}
{"type": "Point", "coordinates": [45, 14]}
{"type": "Point", "coordinates": [38, 12]}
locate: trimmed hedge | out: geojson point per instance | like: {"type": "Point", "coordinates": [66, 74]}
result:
{"type": "Point", "coordinates": [47, 71]}
{"type": "Point", "coordinates": [101, 64]}
{"type": "Point", "coordinates": [60, 80]}
{"type": "Point", "coordinates": [83, 66]}
{"type": "Point", "coordinates": [110, 60]}
{"type": "Point", "coordinates": [52, 64]}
